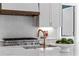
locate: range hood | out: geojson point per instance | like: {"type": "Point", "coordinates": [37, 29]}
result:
{"type": "Point", "coordinates": [17, 12]}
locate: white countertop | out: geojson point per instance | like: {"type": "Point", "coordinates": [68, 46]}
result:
{"type": "Point", "coordinates": [50, 51]}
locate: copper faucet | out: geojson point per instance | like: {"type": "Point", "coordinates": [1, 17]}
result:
{"type": "Point", "coordinates": [45, 34]}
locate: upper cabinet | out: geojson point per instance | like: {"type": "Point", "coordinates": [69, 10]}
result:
{"type": "Point", "coordinates": [56, 14]}
{"type": "Point", "coordinates": [44, 16]}
{"type": "Point", "coordinates": [68, 20]}
{"type": "Point", "coordinates": [20, 6]}
{"type": "Point", "coordinates": [23, 9]}
{"type": "Point", "coordinates": [50, 14]}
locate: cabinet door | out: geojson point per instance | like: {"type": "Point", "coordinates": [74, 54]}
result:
{"type": "Point", "coordinates": [56, 14]}
{"type": "Point", "coordinates": [67, 22]}
{"type": "Point", "coordinates": [21, 6]}
{"type": "Point", "coordinates": [44, 14]}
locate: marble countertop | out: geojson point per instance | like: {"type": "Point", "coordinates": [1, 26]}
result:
{"type": "Point", "coordinates": [49, 51]}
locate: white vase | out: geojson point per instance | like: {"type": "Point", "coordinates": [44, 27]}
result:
{"type": "Point", "coordinates": [65, 47]}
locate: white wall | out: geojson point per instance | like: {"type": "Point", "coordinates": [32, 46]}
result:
{"type": "Point", "coordinates": [17, 26]}
{"type": "Point", "coordinates": [52, 32]}
{"type": "Point", "coordinates": [77, 23]}
{"type": "Point", "coordinates": [20, 6]}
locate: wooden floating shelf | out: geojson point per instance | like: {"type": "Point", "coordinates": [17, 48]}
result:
{"type": "Point", "coordinates": [18, 13]}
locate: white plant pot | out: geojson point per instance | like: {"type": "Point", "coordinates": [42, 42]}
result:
{"type": "Point", "coordinates": [65, 47]}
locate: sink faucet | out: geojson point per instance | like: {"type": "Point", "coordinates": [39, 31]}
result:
{"type": "Point", "coordinates": [45, 34]}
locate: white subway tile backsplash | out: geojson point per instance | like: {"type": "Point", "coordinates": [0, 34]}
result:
{"type": "Point", "coordinates": [17, 26]}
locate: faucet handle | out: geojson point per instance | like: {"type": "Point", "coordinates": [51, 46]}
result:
{"type": "Point", "coordinates": [46, 33]}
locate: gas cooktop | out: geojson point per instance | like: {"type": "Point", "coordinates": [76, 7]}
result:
{"type": "Point", "coordinates": [28, 42]}
{"type": "Point", "coordinates": [22, 38]}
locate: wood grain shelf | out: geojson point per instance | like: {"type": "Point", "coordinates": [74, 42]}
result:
{"type": "Point", "coordinates": [18, 12]}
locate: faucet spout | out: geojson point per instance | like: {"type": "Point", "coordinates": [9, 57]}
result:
{"type": "Point", "coordinates": [39, 32]}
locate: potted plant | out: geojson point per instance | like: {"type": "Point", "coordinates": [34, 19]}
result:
{"type": "Point", "coordinates": [65, 44]}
